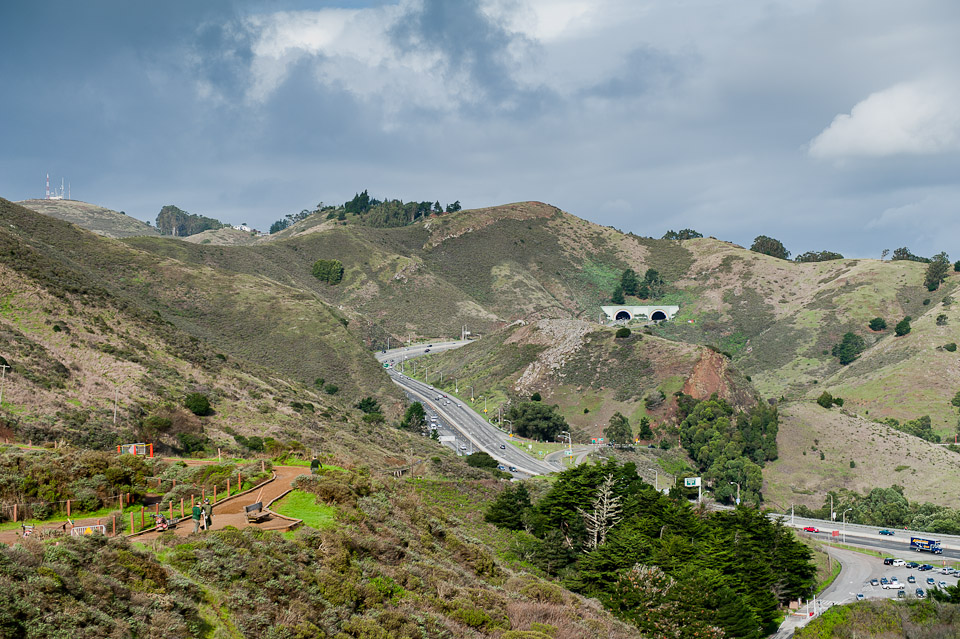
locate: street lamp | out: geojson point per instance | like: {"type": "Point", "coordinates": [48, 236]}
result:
{"type": "Point", "coordinates": [471, 393]}
{"type": "Point", "coordinates": [738, 490]}
{"type": "Point", "coordinates": [656, 478]}
{"type": "Point", "coordinates": [845, 524]}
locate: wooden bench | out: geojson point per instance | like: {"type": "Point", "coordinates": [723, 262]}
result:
{"type": "Point", "coordinates": [255, 512]}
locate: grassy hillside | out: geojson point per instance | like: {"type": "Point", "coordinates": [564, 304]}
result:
{"type": "Point", "coordinates": [882, 456]}
{"type": "Point", "coordinates": [91, 217]}
{"type": "Point", "coordinates": [926, 619]}
{"type": "Point", "coordinates": [247, 316]}
{"type": "Point", "coordinates": [584, 369]}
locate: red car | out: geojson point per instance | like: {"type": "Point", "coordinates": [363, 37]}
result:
{"type": "Point", "coordinates": [811, 529]}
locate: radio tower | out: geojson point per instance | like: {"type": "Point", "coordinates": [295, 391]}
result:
{"type": "Point", "coordinates": [48, 186]}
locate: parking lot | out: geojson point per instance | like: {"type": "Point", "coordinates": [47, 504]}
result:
{"type": "Point", "coordinates": [872, 587]}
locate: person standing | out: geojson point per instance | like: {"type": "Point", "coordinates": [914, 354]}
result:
{"type": "Point", "coordinates": [197, 515]}
{"type": "Point", "coordinates": [207, 514]}
{"type": "Point", "coordinates": [315, 465]}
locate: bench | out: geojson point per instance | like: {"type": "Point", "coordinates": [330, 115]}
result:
{"type": "Point", "coordinates": [255, 512]}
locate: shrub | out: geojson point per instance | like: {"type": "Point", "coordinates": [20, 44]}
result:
{"type": "Point", "coordinates": [825, 399]}
{"type": "Point", "coordinates": [926, 302]}
{"type": "Point", "coordinates": [156, 422]}
{"type": "Point", "coordinates": [952, 346]}
{"type": "Point", "coordinates": [849, 348]}
{"type": "Point", "coordinates": [941, 319]}
{"type": "Point", "coordinates": [368, 405]}
{"type": "Point", "coordinates": [622, 332]}
{"type": "Point", "coordinates": [956, 266]}
{"type": "Point", "coordinates": [331, 389]}
{"type": "Point", "coordinates": [853, 464]}
{"type": "Point", "coordinates": [198, 404]}
{"type": "Point", "coordinates": [878, 324]}
{"type": "Point", "coordinates": [481, 460]}
{"type": "Point", "coordinates": [902, 327]}
{"type": "Point", "coordinates": [535, 397]}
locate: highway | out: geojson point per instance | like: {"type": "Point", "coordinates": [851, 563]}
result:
{"type": "Point", "coordinates": [460, 417]}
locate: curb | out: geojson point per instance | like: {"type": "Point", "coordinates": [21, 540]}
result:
{"type": "Point", "coordinates": [294, 523]}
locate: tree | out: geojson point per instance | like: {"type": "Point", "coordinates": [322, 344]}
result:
{"type": "Point", "coordinates": [878, 324]}
{"type": "Point", "coordinates": [849, 348]}
{"type": "Point", "coordinates": [453, 208]}
{"type": "Point", "coordinates": [769, 246]}
{"type": "Point", "coordinates": [956, 400]}
{"type": "Point", "coordinates": [437, 208]}
{"type": "Point", "coordinates": [415, 418]}
{"type": "Point", "coordinates": [903, 253]}
{"type": "Point", "coordinates": [278, 226]}
{"type": "Point", "coordinates": [629, 282]}
{"type": "Point", "coordinates": [683, 234]}
{"type": "Point", "coordinates": [605, 515]}
{"type": "Point", "coordinates": [174, 221]}
{"type": "Point", "coordinates": [198, 404]}
{"type": "Point", "coordinates": [937, 271]}
{"type": "Point", "coordinates": [481, 459]}
{"type": "Point", "coordinates": [618, 431]}
{"type": "Point", "coordinates": [956, 266]}
{"type": "Point", "coordinates": [508, 510]}
{"type": "Point", "coordinates": [617, 297]}
{"type": "Point", "coordinates": [622, 333]}
{"type": "Point", "coordinates": [329, 271]}
{"type": "Point", "coordinates": [884, 253]}
{"type": "Point", "coordinates": [902, 327]}
{"type": "Point", "coordinates": [536, 420]}
{"type": "Point", "coordinates": [814, 256]}
{"type": "Point", "coordinates": [536, 397]}
{"type": "Point", "coordinates": [825, 400]}
{"type": "Point", "coordinates": [645, 434]}
{"type": "Point", "coordinates": [941, 319]}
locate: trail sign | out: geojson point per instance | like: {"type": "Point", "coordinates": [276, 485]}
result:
{"type": "Point", "coordinates": [691, 482]}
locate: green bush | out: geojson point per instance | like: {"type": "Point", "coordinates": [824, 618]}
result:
{"type": "Point", "coordinates": [198, 404]}
{"type": "Point", "coordinates": [481, 460]}
{"type": "Point", "coordinates": [156, 422]}
{"type": "Point", "coordinates": [535, 397]}
{"type": "Point", "coordinates": [331, 389]}
{"type": "Point", "coordinates": [622, 332]}
{"type": "Point", "coordinates": [329, 271]}
{"type": "Point", "coordinates": [878, 324]}
{"type": "Point", "coordinates": [952, 346]}
{"type": "Point", "coordinates": [902, 327]}
{"type": "Point", "coordinates": [825, 399]}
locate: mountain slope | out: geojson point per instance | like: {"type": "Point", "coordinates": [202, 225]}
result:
{"type": "Point", "coordinates": [91, 217]}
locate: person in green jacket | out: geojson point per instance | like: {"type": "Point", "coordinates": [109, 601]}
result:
{"type": "Point", "coordinates": [207, 514]}
{"type": "Point", "coordinates": [197, 515]}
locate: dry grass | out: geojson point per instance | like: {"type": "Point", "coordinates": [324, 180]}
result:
{"type": "Point", "coordinates": [800, 477]}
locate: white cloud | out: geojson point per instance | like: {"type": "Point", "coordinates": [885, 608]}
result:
{"type": "Point", "coordinates": [918, 118]}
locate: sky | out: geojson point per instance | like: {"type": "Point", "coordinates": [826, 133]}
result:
{"type": "Point", "coordinates": [829, 125]}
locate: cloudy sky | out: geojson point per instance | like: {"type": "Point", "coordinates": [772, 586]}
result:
{"type": "Point", "coordinates": [830, 124]}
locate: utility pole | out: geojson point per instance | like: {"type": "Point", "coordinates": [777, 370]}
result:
{"type": "Point", "coordinates": [388, 342]}
{"type": "Point", "coordinates": [845, 524]}
{"type": "Point", "coordinates": [116, 393]}
{"type": "Point", "coordinates": [3, 379]}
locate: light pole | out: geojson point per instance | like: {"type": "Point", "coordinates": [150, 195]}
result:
{"type": "Point", "coordinates": [656, 478]}
{"type": "Point", "coordinates": [456, 385]}
{"type": "Point", "coordinates": [738, 490]}
{"type": "Point", "coordinates": [833, 514]}
{"type": "Point", "coordinates": [845, 524]}
{"type": "Point", "coordinates": [510, 421]}
{"type": "Point", "coordinates": [471, 393]}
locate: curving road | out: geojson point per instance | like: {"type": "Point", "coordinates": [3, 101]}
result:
{"type": "Point", "coordinates": [460, 417]}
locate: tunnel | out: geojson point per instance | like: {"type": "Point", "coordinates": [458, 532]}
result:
{"type": "Point", "coordinates": [658, 316]}
{"type": "Point", "coordinates": [622, 316]}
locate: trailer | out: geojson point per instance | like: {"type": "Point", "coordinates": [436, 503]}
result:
{"type": "Point", "coordinates": [929, 545]}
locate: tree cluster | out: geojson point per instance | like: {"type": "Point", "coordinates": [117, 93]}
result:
{"type": "Point", "coordinates": [618, 431]}
{"type": "Point", "coordinates": [415, 419]}
{"type": "Point", "coordinates": [921, 427]}
{"type": "Point", "coordinates": [770, 246]}
{"type": "Point", "coordinates": [888, 507]}
{"type": "Point", "coordinates": [174, 221]}
{"type": "Point", "coordinates": [653, 560]}
{"type": "Point", "coordinates": [329, 271]}
{"type": "Point", "coordinates": [537, 420]}
{"type": "Point", "coordinates": [902, 327]}
{"type": "Point", "coordinates": [651, 286]}
{"type": "Point", "coordinates": [849, 348]}
{"type": "Point", "coordinates": [731, 447]}
{"type": "Point", "coordinates": [828, 401]}
{"type": "Point", "coordinates": [936, 271]}
{"type": "Point", "coordinates": [817, 256]}
{"type": "Point", "coordinates": [683, 234]}
{"type": "Point", "coordinates": [903, 253]}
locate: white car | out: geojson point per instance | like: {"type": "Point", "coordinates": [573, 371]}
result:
{"type": "Point", "coordinates": [892, 585]}
{"type": "Point", "coordinates": [899, 562]}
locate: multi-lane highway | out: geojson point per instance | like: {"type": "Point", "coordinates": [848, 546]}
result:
{"type": "Point", "coordinates": [870, 537]}
{"type": "Point", "coordinates": [470, 425]}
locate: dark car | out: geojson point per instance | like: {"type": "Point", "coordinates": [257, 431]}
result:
{"type": "Point", "coordinates": [513, 469]}
{"type": "Point", "coordinates": [925, 567]}
{"type": "Point", "coordinates": [931, 581]}
{"type": "Point", "coordinates": [427, 350]}
{"type": "Point", "coordinates": [911, 579]}
{"type": "Point", "coordinates": [886, 532]}
{"type": "Point", "coordinates": [503, 447]}
{"type": "Point", "coordinates": [912, 564]}
{"type": "Point", "coordinates": [901, 594]}
{"type": "Point", "coordinates": [920, 594]}
{"type": "Point", "coordinates": [888, 561]}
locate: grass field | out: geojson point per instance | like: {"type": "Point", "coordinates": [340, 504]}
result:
{"type": "Point", "coordinates": [303, 505]}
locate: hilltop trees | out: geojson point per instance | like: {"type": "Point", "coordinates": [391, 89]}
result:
{"type": "Point", "coordinates": [815, 256]}
{"type": "Point", "coordinates": [903, 253]}
{"type": "Point", "coordinates": [683, 234]}
{"type": "Point", "coordinates": [937, 271]}
{"type": "Point", "coordinates": [770, 246]}
{"type": "Point", "coordinates": [174, 221]}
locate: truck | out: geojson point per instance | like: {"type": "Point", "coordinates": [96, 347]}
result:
{"type": "Point", "coordinates": [928, 545]}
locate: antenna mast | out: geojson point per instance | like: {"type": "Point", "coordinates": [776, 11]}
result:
{"type": "Point", "coordinates": [48, 187]}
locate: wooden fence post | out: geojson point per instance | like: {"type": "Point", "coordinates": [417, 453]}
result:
{"type": "Point", "coordinates": [15, 513]}
{"type": "Point", "coordinates": [131, 521]}
{"type": "Point", "coordinates": [181, 506]}
{"type": "Point", "coordinates": [214, 493]}
{"type": "Point", "coordinates": [171, 510]}
{"type": "Point", "coordinates": [191, 502]}
{"type": "Point", "coordinates": [68, 509]}
{"type": "Point", "coordinates": [142, 524]}
{"type": "Point", "coordinates": [239, 483]}
{"type": "Point", "coordinates": [228, 486]}
{"type": "Point", "coordinates": [114, 518]}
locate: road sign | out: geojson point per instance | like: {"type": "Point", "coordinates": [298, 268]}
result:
{"type": "Point", "coordinates": [691, 482]}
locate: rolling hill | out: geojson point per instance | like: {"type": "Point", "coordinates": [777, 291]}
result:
{"type": "Point", "coordinates": [94, 218]}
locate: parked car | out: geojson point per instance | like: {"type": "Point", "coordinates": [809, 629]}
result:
{"type": "Point", "coordinates": [874, 582]}
{"type": "Point", "coordinates": [899, 562]}
{"type": "Point", "coordinates": [884, 581]}
{"type": "Point", "coordinates": [911, 579]}
{"type": "Point", "coordinates": [892, 585]}
{"type": "Point", "coordinates": [888, 561]}
{"type": "Point", "coordinates": [886, 532]}
{"type": "Point", "coordinates": [931, 581]}
{"type": "Point", "coordinates": [901, 594]}
{"type": "Point", "coordinates": [812, 529]}
{"type": "Point", "coordinates": [942, 584]}
{"type": "Point", "coordinates": [920, 594]}
{"type": "Point", "coordinates": [925, 567]}
{"type": "Point", "coordinates": [912, 564]}
{"type": "Point", "coordinates": [859, 596]}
